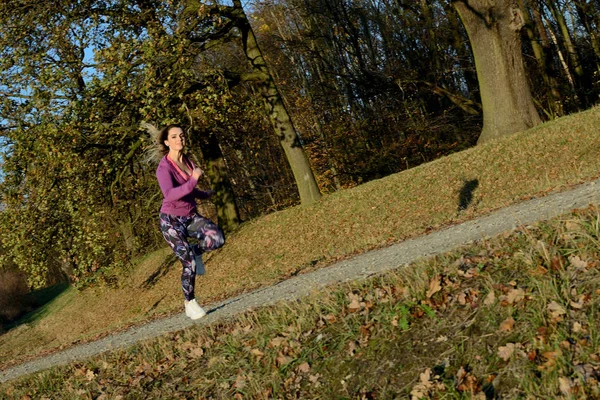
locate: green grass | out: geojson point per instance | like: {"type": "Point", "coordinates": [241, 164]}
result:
{"type": "Point", "coordinates": [550, 157]}
{"type": "Point", "coordinates": [514, 317]}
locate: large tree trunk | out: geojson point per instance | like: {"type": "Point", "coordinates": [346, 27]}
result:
{"type": "Point", "coordinates": [493, 28]}
{"type": "Point", "coordinates": [280, 118]}
{"type": "Point", "coordinates": [228, 215]}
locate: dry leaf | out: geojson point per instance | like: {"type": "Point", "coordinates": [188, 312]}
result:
{"type": "Point", "coordinates": [578, 262]}
{"type": "Point", "coordinates": [578, 305]}
{"type": "Point", "coordinates": [314, 379]}
{"type": "Point", "coordinates": [555, 310]}
{"type": "Point", "coordinates": [304, 367]}
{"type": "Point", "coordinates": [505, 352]}
{"type": "Point", "coordinates": [462, 298]}
{"type": "Point", "coordinates": [239, 383]}
{"type": "Point", "coordinates": [434, 286]}
{"type": "Point", "coordinates": [257, 353]}
{"type": "Point", "coordinates": [576, 328]}
{"type": "Point", "coordinates": [515, 295]}
{"type": "Point", "coordinates": [461, 373]}
{"type": "Point", "coordinates": [550, 363]}
{"type": "Point", "coordinates": [352, 347]}
{"type": "Point", "coordinates": [507, 325]}
{"type": "Point", "coordinates": [565, 385]}
{"type": "Point", "coordinates": [276, 342]}
{"type": "Point", "coordinates": [490, 298]}
{"type": "Point", "coordinates": [282, 360]}
{"type": "Point", "coordinates": [354, 305]}
{"type": "Point", "coordinates": [90, 375]}
{"type": "Point", "coordinates": [469, 385]}
{"type": "Point", "coordinates": [421, 389]}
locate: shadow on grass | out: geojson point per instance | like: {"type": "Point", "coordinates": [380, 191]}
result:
{"type": "Point", "coordinates": [41, 301]}
{"type": "Point", "coordinates": [465, 196]}
{"type": "Point", "coordinates": [161, 271]}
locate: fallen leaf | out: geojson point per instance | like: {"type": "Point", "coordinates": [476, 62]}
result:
{"type": "Point", "coordinates": [565, 385]}
{"type": "Point", "coordinates": [352, 347]}
{"type": "Point", "coordinates": [257, 353]}
{"type": "Point", "coordinates": [505, 352]}
{"type": "Point", "coordinates": [576, 328]}
{"type": "Point", "coordinates": [276, 342]}
{"type": "Point", "coordinates": [572, 225]}
{"type": "Point", "coordinates": [282, 360]}
{"type": "Point", "coordinates": [469, 385]}
{"type": "Point", "coordinates": [490, 298]}
{"type": "Point", "coordinates": [434, 286]}
{"type": "Point", "coordinates": [515, 295]}
{"type": "Point", "coordinates": [507, 325]}
{"type": "Point", "coordinates": [90, 375]}
{"type": "Point", "coordinates": [240, 382]}
{"type": "Point", "coordinates": [555, 310]}
{"type": "Point", "coordinates": [556, 264]}
{"type": "Point", "coordinates": [461, 373]}
{"type": "Point", "coordinates": [304, 367]}
{"type": "Point", "coordinates": [578, 305]}
{"type": "Point", "coordinates": [421, 389]}
{"type": "Point", "coordinates": [578, 262]}
{"type": "Point", "coordinates": [354, 305]}
{"type": "Point", "coordinates": [314, 379]}
{"type": "Point", "coordinates": [550, 363]}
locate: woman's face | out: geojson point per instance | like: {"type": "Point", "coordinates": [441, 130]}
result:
{"type": "Point", "coordinates": [175, 139]}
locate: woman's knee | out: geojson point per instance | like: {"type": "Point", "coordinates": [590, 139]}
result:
{"type": "Point", "coordinates": [217, 239]}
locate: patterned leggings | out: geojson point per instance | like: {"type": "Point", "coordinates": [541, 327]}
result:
{"type": "Point", "coordinates": [176, 231]}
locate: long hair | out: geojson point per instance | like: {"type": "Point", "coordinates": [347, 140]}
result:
{"type": "Point", "coordinates": [157, 148]}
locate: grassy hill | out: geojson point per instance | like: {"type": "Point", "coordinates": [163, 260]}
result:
{"type": "Point", "coordinates": [515, 316]}
{"type": "Point", "coordinates": [550, 157]}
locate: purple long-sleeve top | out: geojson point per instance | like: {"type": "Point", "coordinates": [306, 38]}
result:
{"type": "Point", "coordinates": [179, 191]}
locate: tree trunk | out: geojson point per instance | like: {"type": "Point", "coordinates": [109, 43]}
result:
{"type": "Point", "coordinates": [493, 31]}
{"type": "Point", "coordinates": [555, 92]}
{"type": "Point", "coordinates": [281, 120]}
{"type": "Point", "coordinates": [566, 36]}
{"type": "Point", "coordinates": [584, 13]}
{"type": "Point", "coordinates": [540, 56]}
{"type": "Point", "coordinates": [228, 215]}
{"type": "Point", "coordinates": [464, 53]}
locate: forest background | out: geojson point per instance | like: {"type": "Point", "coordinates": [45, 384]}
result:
{"type": "Point", "coordinates": [283, 101]}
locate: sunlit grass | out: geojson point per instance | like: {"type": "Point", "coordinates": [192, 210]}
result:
{"type": "Point", "coordinates": [514, 316]}
{"type": "Point", "coordinates": [456, 188]}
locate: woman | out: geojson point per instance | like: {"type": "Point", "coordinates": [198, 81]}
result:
{"type": "Point", "coordinates": [177, 177]}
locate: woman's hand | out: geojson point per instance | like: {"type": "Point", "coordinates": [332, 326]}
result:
{"type": "Point", "coordinates": [197, 173]}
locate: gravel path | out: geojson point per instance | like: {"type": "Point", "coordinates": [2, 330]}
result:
{"type": "Point", "coordinates": [361, 266]}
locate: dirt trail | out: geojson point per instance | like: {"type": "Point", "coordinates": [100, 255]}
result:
{"type": "Point", "coordinates": [361, 266]}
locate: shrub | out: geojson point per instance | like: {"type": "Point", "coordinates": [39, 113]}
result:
{"type": "Point", "coordinates": [13, 296]}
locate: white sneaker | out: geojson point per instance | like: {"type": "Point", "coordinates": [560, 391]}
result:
{"type": "Point", "coordinates": [193, 309]}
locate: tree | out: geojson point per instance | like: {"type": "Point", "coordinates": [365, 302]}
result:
{"type": "Point", "coordinates": [280, 118]}
{"type": "Point", "coordinates": [275, 108]}
{"type": "Point", "coordinates": [494, 32]}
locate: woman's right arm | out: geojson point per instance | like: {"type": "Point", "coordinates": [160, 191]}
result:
{"type": "Point", "coordinates": [168, 188]}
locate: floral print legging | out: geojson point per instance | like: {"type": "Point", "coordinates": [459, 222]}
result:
{"type": "Point", "coordinates": [176, 231]}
